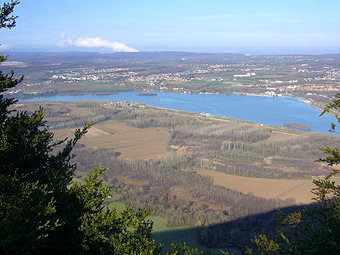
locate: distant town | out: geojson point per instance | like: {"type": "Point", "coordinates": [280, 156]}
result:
{"type": "Point", "coordinates": [313, 79]}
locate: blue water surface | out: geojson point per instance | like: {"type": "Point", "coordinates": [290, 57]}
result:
{"type": "Point", "coordinates": [266, 110]}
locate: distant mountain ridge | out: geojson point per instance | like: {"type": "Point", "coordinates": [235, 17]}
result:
{"type": "Point", "coordinates": [72, 56]}
{"type": "Point", "coordinates": [90, 56]}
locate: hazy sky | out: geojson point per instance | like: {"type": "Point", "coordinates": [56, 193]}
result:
{"type": "Point", "coordinates": [190, 25]}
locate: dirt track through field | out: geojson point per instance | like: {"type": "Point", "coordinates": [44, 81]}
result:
{"type": "Point", "coordinates": [300, 190]}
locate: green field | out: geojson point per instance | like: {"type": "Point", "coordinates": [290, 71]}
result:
{"type": "Point", "coordinates": [94, 83]}
{"type": "Point", "coordinates": [104, 89]}
{"type": "Point", "coordinates": [164, 234]}
{"type": "Point", "coordinates": [184, 234]}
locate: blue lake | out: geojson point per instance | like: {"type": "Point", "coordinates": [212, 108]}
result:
{"type": "Point", "coordinates": [266, 110]}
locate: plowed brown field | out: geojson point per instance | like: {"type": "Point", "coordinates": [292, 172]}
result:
{"type": "Point", "coordinates": [131, 142]}
{"type": "Point", "coordinates": [300, 190]}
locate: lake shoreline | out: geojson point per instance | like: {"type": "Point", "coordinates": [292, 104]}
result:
{"type": "Point", "coordinates": [260, 109]}
{"type": "Point", "coordinates": [310, 102]}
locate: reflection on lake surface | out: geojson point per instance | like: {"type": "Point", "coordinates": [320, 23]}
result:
{"type": "Point", "coordinates": [266, 110]}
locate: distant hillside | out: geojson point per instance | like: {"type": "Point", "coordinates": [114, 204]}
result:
{"type": "Point", "coordinates": [119, 56]}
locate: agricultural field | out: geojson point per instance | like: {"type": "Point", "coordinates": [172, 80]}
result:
{"type": "Point", "coordinates": [130, 142]}
{"type": "Point", "coordinates": [196, 171]}
{"type": "Point", "coordinates": [300, 190]}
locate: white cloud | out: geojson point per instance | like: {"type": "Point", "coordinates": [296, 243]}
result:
{"type": "Point", "coordinates": [4, 46]}
{"type": "Point", "coordinates": [97, 42]}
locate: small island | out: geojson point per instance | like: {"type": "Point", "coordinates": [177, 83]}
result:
{"type": "Point", "coordinates": [296, 125]}
{"type": "Point", "coordinates": [147, 94]}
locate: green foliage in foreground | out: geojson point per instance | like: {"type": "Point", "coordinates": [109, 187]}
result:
{"type": "Point", "coordinates": [316, 229]}
{"type": "Point", "coordinates": [6, 19]}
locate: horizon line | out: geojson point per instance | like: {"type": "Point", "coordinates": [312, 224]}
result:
{"type": "Point", "coordinates": [172, 51]}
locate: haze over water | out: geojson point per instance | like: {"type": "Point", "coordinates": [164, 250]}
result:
{"type": "Point", "coordinates": [266, 110]}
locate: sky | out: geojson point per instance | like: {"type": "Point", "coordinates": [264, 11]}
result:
{"type": "Point", "coordinates": [235, 26]}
